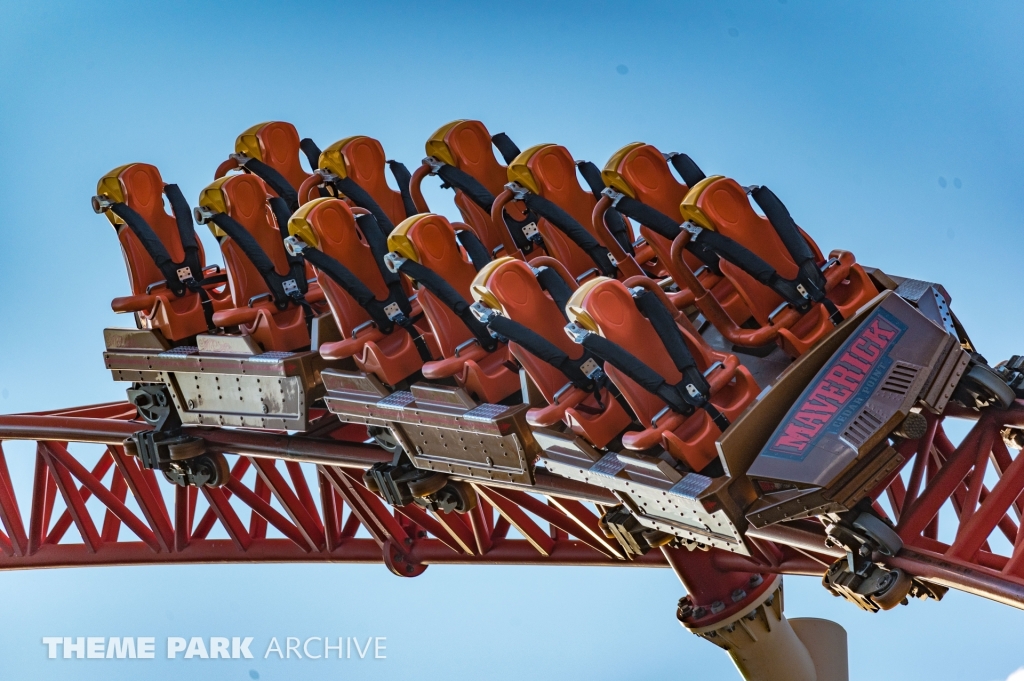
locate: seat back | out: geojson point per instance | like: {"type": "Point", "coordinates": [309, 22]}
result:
{"type": "Point", "coordinates": [549, 170]}
{"type": "Point", "coordinates": [509, 285]}
{"type": "Point", "coordinates": [330, 226]}
{"type": "Point", "coordinates": [605, 306]}
{"type": "Point", "coordinates": [140, 186]}
{"type": "Point", "coordinates": [362, 158]}
{"type": "Point", "coordinates": [640, 171]}
{"type": "Point", "coordinates": [430, 240]}
{"type": "Point", "coordinates": [277, 144]}
{"type": "Point", "coordinates": [243, 197]}
{"type": "Point", "coordinates": [466, 145]}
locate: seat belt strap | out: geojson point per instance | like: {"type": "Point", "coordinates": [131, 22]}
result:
{"type": "Point", "coordinates": [403, 178]}
{"type": "Point", "coordinates": [612, 218]}
{"type": "Point", "coordinates": [474, 247]}
{"type": "Point", "coordinates": [274, 180]}
{"type": "Point", "coordinates": [545, 350]}
{"type": "Point", "coordinates": [576, 232]}
{"type": "Point", "coordinates": [444, 292]}
{"type": "Point", "coordinates": [505, 146]}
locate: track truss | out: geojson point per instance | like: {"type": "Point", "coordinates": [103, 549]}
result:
{"type": "Point", "coordinates": [957, 508]}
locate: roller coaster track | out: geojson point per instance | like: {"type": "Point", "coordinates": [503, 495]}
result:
{"type": "Point", "coordinates": [300, 498]}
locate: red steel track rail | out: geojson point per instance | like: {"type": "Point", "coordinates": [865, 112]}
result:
{"type": "Point", "coordinates": [306, 502]}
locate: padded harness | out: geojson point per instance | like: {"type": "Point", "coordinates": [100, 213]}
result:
{"type": "Point", "coordinates": [689, 394]}
{"type": "Point", "coordinates": [180, 277]}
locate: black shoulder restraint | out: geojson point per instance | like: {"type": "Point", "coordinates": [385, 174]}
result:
{"type": "Point", "coordinates": [403, 178]}
{"type": "Point", "coordinates": [287, 289]}
{"type": "Point", "coordinates": [444, 292]}
{"type": "Point", "coordinates": [386, 314]}
{"type": "Point", "coordinates": [467, 184]}
{"type": "Point", "coordinates": [359, 196]}
{"type": "Point", "coordinates": [689, 171]}
{"type": "Point", "coordinates": [810, 276]}
{"type": "Point", "coordinates": [613, 218]}
{"type": "Point", "coordinates": [576, 232]}
{"type": "Point", "coordinates": [312, 152]}
{"type": "Point", "coordinates": [505, 146]}
{"type": "Point", "coordinates": [274, 180]}
{"type": "Point", "coordinates": [478, 254]}
{"type": "Point", "coordinates": [709, 245]}
{"type": "Point", "coordinates": [691, 393]}
{"type": "Point", "coordinates": [661, 224]}
{"type": "Point", "coordinates": [180, 277]}
{"type": "Point", "coordinates": [584, 373]}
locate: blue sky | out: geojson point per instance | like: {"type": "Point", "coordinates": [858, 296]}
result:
{"type": "Point", "coordinates": [889, 129]}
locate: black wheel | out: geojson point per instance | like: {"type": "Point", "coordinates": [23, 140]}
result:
{"type": "Point", "coordinates": [187, 448]}
{"type": "Point", "coordinates": [986, 388]}
{"type": "Point", "coordinates": [428, 484]}
{"type": "Point", "coordinates": [888, 541]}
{"type": "Point", "coordinates": [895, 591]}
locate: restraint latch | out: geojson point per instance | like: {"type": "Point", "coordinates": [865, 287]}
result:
{"type": "Point", "coordinates": [482, 312]}
{"type": "Point", "coordinates": [803, 291]}
{"type": "Point", "coordinates": [577, 333]}
{"type": "Point", "coordinates": [434, 164]}
{"type": "Point", "coordinates": [613, 195]}
{"type": "Point", "coordinates": [241, 158]}
{"type": "Point", "coordinates": [693, 229]}
{"type": "Point", "coordinates": [202, 214]}
{"type": "Point", "coordinates": [392, 311]}
{"type": "Point", "coordinates": [185, 274]}
{"type": "Point", "coordinates": [530, 230]}
{"type": "Point", "coordinates": [101, 203]}
{"type": "Point", "coordinates": [290, 286]}
{"type": "Point", "coordinates": [393, 261]}
{"type": "Point", "coordinates": [294, 246]}
{"type": "Point", "coordinates": [518, 191]}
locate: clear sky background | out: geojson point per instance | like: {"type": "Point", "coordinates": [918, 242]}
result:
{"type": "Point", "coordinates": [889, 129]}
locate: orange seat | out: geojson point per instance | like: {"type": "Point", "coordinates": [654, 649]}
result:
{"type": "Point", "coordinates": [429, 240]}
{"type": "Point", "coordinates": [721, 204]}
{"type": "Point", "coordinates": [606, 307]}
{"type": "Point", "coordinates": [243, 198]}
{"type": "Point", "coordinates": [329, 225]}
{"type": "Point", "coordinates": [511, 287]}
{"type": "Point", "coordinates": [549, 171]}
{"type": "Point", "coordinates": [178, 318]}
{"type": "Point", "coordinates": [277, 145]}
{"type": "Point", "coordinates": [362, 158]}
{"type": "Point", "coordinates": [641, 171]}
{"type": "Point", "coordinates": [466, 145]}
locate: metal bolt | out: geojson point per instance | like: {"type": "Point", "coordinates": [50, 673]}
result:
{"type": "Point", "coordinates": [266, 409]}
{"type": "Point", "coordinates": [738, 595]}
{"type": "Point", "coordinates": [756, 580]}
{"type": "Point", "coordinates": [191, 404]}
{"type": "Point", "coordinates": [717, 607]}
{"type": "Point", "coordinates": [488, 461]}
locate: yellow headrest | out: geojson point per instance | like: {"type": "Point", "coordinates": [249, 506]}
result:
{"type": "Point", "coordinates": [212, 198]}
{"type": "Point", "coordinates": [333, 159]}
{"type": "Point", "coordinates": [610, 175]}
{"type": "Point", "coordinates": [574, 308]}
{"type": "Point", "coordinates": [689, 208]}
{"type": "Point", "coordinates": [247, 143]}
{"type": "Point", "coordinates": [399, 241]}
{"type": "Point", "coordinates": [479, 288]}
{"type": "Point", "coordinates": [299, 225]}
{"type": "Point", "coordinates": [110, 187]}
{"type": "Point", "coordinates": [438, 148]}
{"type": "Point", "coordinates": [519, 173]}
